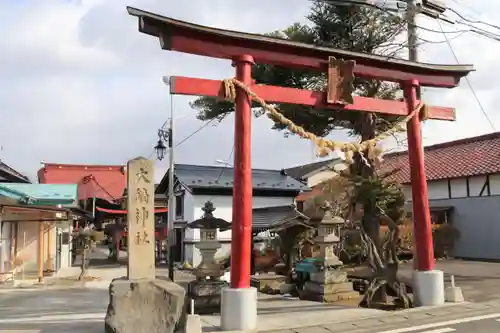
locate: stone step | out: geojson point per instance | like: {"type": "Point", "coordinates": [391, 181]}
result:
{"type": "Point", "coordinates": [330, 288]}
{"type": "Point", "coordinates": [329, 298]}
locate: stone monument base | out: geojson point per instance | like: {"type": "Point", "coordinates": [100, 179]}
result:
{"type": "Point", "coordinates": [206, 295]}
{"type": "Point", "coordinates": [143, 306]}
{"type": "Point", "coordinates": [268, 283]}
{"type": "Point", "coordinates": [328, 293]}
{"type": "Point", "coordinates": [329, 286]}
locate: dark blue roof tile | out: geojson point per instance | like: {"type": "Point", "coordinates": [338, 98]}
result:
{"type": "Point", "coordinates": [204, 176]}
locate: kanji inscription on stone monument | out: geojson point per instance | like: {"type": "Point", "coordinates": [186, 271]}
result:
{"type": "Point", "coordinates": [140, 219]}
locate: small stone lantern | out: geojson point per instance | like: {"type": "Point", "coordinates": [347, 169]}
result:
{"type": "Point", "coordinates": [208, 244]}
{"type": "Point", "coordinates": [206, 289]}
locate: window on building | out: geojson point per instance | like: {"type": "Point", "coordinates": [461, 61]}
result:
{"type": "Point", "coordinates": [438, 216]}
{"type": "Point", "coordinates": [179, 206]}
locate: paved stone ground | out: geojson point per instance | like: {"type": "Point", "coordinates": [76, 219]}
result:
{"type": "Point", "coordinates": [77, 309]}
{"type": "Point", "coordinates": [101, 268]}
{"type": "Point", "coordinates": [479, 280]}
{"type": "Point", "coordinates": [70, 310]}
{"type": "Point", "coordinates": [82, 310]}
{"type": "Point", "coordinates": [482, 317]}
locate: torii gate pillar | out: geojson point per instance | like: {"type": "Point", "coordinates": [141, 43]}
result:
{"type": "Point", "coordinates": [239, 302]}
{"type": "Point", "coordinates": [428, 284]}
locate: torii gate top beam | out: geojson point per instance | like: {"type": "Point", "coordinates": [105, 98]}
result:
{"type": "Point", "coordinates": [192, 38]}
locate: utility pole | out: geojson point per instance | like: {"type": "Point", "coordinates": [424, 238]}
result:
{"type": "Point", "coordinates": [411, 19]}
{"type": "Point", "coordinates": [171, 201]}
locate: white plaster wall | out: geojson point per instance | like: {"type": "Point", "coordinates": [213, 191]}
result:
{"type": "Point", "coordinates": [476, 185]}
{"type": "Point", "coordinates": [407, 192]}
{"type": "Point", "coordinates": [223, 205]}
{"type": "Point", "coordinates": [458, 188]}
{"type": "Point", "coordinates": [438, 189]}
{"type": "Point", "coordinates": [495, 184]}
{"type": "Point", "coordinates": [319, 177]}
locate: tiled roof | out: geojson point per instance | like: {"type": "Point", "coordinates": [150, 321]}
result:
{"type": "Point", "coordinates": [298, 172]}
{"type": "Point", "coordinates": [9, 174]}
{"type": "Point", "coordinates": [263, 218]}
{"type": "Point", "coordinates": [219, 177]}
{"type": "Point", "coordinates": [474, 156]}
{"type": "Point", "coordinates": [102, 181]}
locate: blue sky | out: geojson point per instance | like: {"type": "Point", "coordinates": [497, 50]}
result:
{"type": "Point", "coordinates": [80, 84]}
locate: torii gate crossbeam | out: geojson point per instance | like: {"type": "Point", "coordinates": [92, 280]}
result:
{"type": "Point", "coordinates": [239, 308]}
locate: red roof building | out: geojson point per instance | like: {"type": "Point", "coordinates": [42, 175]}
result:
{"type": "Point", "coordinates": [106, 182]}
{"type": "Point", "coordinates": [468, 157]}
{"type": "Point", "coordinates": [475, 156]}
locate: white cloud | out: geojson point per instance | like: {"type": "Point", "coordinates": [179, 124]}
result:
{"type": "Point", "coordinates": [80, 84]}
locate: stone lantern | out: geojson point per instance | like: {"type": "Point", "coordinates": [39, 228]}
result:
{"type": "Point", "coordinates": [327, 238]}
{"type": "Point", "coordinates": [206, 289]}
{"type": "Point", "coordinates": [329, 283]}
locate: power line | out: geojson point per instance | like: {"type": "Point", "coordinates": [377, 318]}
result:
{"type": "Point", "coordinates": [481, 32]}
{"type": "Point", "coordinates": [439, 32]}
{"type": "Point", "coordinates": [180, 142]}
{"type": "Point", "coordinates": [444, 33]}
{"type": "Point", "coordinates": [468, 23]}
{"type": "Point", "coordinates": [473, 21]}
{"type": "Point", "coordinates": [439, 41]}
{"type": "Point", "coordinates": [225, 166]}
{"type": "Point", "coordinates": [196, 131]}
{"type": "Point", "coordinates": [478, 101]}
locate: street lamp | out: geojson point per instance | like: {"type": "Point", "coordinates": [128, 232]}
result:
{"type": "Point", "coordinates": [160, 149]}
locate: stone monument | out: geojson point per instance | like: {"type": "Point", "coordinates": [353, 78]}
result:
{"type": "Point", "coordinates": [141, 302]}
{"type": "Point", "coordinates": [206, 289]}
{"type": "Point", "coordinates": [329, 283]}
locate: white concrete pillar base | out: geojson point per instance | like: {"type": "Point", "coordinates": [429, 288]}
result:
{"type": "Point", "coordinates": [238, 309]}
{"type": "Point", "coordinates": [428, 288]}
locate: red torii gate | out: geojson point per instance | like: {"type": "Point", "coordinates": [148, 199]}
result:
{"type": "Point", "coordinates": [244, 49]}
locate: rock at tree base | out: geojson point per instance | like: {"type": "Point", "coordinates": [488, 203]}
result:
{"type": "Point", "coordinates": [143, 306]}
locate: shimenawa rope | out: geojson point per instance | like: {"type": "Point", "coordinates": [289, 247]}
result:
{"type": "Point", "coordinates": [325, 146]}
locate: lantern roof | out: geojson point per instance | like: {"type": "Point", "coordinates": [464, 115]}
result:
{"type": "Point", "coordinates": [208, 220]}
{"type": "Point", "coordinates": [328, 216]}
